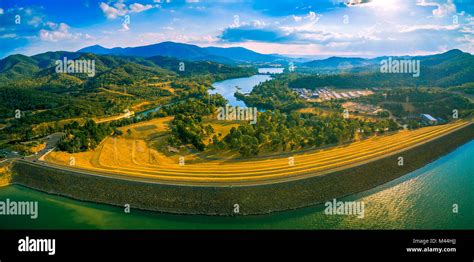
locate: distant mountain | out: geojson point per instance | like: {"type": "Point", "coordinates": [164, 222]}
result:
{"type": "Point", "coordinates": [447, 69]}
{"type": "Point", "coordinates": [241, 54]}
{"type": "Point", "coordinates": [96, 49]}
{"type": "Point", "coordinates": [335, 62]}
{"type": "Point", "coordinates": [187, 52]}
{"type": "Point", "coordinates": [451, 68]}
{"type": "Point", "coordinates": [357, 65]}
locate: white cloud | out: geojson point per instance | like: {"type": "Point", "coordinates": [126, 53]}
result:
{"type": "Point", "coordinates": [119, 9]}
{"type": "Point", "coordinates": [1, 11]}
{"type": "Point", "coordinates": [407, 29]}
{"type": "Point", "coordinates": [258, 23]}
{"type": "Point", "coordinates": [60, 32]}
{"type": "Point", "coordinates": [441, 9]}
{"type": "Point", "coordinates": [137, 8]}
{"type": "Point", "coordinates": [368, 33]}
{"type": "Point", "coordinates": [57, 32]}
{"type": "Point", "coordinates": [311, 16]}
{"type": "Point", "coordinates": [152, 38]}
{"type": "Point", "coordinates": [356, 2]}
{"type": "Point", "coordinates": [113, 12]}
{"type": "Point", "coordinates": [445, 9]}
{"type": "Point", "coordinates": [381, 7]}
{"type": "Point", "coordinates": [297, 18]}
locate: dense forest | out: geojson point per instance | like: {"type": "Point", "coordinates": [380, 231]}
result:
{"type": "Point", "coordinates": [379, 80]}
{"type": "Point", "coordinates": [273, 95]}
{"type": "Point", "coordinates": [406, 102]}
{"type": "Point", "coordinates": [276, 131]}
{"type": "Point", "coordinates": [82, 138]}
{"type": "Point", "coordinates": [452, 68]}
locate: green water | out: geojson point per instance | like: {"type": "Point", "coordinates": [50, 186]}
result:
{"type": "Point", "coordinates": [420, 200]}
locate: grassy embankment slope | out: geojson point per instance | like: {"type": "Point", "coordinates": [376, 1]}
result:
{"type": "Point", "coordinates": [135, 156]}
{"type": "Point", "coordinates": [255, 199]}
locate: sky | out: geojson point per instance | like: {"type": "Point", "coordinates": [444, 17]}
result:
{"type": "Point", "coordinates": [365, 28]}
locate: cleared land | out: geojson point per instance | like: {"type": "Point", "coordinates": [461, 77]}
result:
{"type": "Point", "coordinates": [134, 157]}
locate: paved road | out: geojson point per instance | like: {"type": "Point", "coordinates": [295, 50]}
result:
{"type": "Point", "coordinates": [51, 142]}
{"type": "Point", "coordinates": [117, 175]}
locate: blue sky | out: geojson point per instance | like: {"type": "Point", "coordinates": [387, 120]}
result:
{"type": "Point", "coordinates": [292, 27]}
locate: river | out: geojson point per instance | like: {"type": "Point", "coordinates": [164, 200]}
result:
{"type": "Point", "coordinates": [244, 85]}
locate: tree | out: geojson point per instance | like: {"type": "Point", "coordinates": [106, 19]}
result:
{"type": "Point", "coordinates": [117, 132]}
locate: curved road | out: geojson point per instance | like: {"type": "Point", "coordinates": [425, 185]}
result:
{"type": "Point", "coordinates": [155, 180]}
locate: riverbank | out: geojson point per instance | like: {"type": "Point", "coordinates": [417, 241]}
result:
{"type": "Point", "coordinates": [258, 199]}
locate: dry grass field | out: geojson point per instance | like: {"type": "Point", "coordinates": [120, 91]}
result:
{"type": "Point", "coordinates": [142, 155]}
{"type": "Point", "coordinates": [38, 148]}
{"type": "Point", "coordinates": [311, 110]}
{"type": "Point", "coordinates": [140, 106]}
{"type": "Point", "coordinates": [5, 177]}
{"type": "Point", "coordinates": [163, 86]}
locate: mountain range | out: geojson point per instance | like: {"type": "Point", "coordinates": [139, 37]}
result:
{"type": "Point", "coordinates": [239, 55]}
{"type": "Point", "coordinates": [229, 55]}
{"type": "Point", "coordinates": [40, 69]}
{"type": "Point", "coordinates": [452, 58]}
{"type": "Point", "coordinates": [453, 67]}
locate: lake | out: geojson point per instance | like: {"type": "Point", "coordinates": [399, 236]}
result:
{"type": "Point", "coordinates": [244, 85]}
{"type": "Point", "coordinates": [270, 70]}
{"type": "Point", "coordinates": [227, 88]}
{"type": "Point", "coordinates": [422, 199]}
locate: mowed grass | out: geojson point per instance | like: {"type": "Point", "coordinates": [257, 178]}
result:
{"type": "Point", "coordinates": [136, 156]}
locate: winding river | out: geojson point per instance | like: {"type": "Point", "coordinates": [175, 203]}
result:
{"type": "Point", "coordinates": [423, 199]}
{"type": "Point", "coordinates": [244, 85]}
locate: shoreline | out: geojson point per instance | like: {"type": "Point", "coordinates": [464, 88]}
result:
{"type": "Point", "coordinates": [252, 200]}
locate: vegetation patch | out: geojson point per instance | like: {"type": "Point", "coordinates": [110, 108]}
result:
{"type": "Point", "coordinates": [5, 174]}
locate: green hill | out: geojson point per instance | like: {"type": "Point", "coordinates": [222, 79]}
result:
{"type": "Point", "coordinates": [451, 68]}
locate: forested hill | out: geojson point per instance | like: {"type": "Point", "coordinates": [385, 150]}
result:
{"type": "Point", "coordinates": [188, 52]}
{"type": "Point", "coordinates": [39, 70]}
{"type": "Point", "coordinates": [452, 68]}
